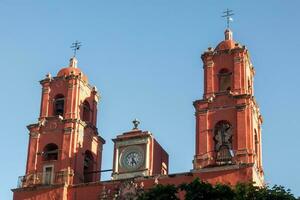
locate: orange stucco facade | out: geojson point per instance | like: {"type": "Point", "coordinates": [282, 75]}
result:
{"type": "Point", "coordinates": [65, 149]}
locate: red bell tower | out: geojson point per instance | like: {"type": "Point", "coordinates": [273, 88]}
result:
{"type": "Point", "coordinates": [64, 146]}
{"type": "Point", "coordinates": [228, 120]}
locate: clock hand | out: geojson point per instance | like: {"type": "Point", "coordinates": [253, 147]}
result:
{"type": "Point", "coordinates": [133, 161]}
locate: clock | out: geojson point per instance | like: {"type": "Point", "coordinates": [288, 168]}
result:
{"type": "Point", "coordinates": [132, 158]}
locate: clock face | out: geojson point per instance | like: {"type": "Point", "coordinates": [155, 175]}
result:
{"type": "Point", "coordinates": [132, 157]}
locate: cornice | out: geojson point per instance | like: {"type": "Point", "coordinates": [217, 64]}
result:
{"type": "Point", "coordinates": [241, 107]}
{"type": "Point", "coordinates": [46, 80]}
{"type": "Point", "coordinates": [242, 96]}
{"type": "Point", "coordinates": [101, 139]}
{"type": "Point", "coordinates": [222, 168]}
{"type": "Point", "coordinates": [199, 101]}
{"type": "Point", "coordinates": [127, 136]}
{"type": "Point", "coordinates": [30, 126]}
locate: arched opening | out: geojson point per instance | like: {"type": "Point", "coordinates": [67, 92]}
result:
{"type": "Point", "coordinates": [59, 104]}
{"type": "Point", "coordinates": [223, 142]}
{"type": "Point", "coordinates": [86, 111]}
{"type": "Point", "coordinates": [224, 80]}
{"type": "Point", "coordinates": [50, 152]}
{"type": "Point", "coordinates": [88, 167]}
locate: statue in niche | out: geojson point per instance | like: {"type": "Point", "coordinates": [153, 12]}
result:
{"type": "Point", "coordinates": [223, 142]}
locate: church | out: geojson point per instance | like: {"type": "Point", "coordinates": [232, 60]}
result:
{"type": "Point", "coordinates": [65, 149]}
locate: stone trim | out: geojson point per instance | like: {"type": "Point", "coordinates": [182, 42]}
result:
{"type": "Point", "coordinates": [128, 175]}
{"type": "Point", "coordinates": [132, 142]}
{"type": "Point", "coordinates": [222, 168]}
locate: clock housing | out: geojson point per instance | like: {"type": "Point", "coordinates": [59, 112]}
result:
{"type": "Point", "coordinates": [137, 153]}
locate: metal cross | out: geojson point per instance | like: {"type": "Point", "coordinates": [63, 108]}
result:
{"type": "Point", "coordinates": [136, 123]}
{"type": "Point", "coordinates": [75, 46]}
{"type": "Point", "coordinates": [228, 13]}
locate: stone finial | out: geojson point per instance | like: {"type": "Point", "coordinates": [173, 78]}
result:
{"type": "Point", "coordinates": [136, 123]}
{"type": "Point", "coordinates": [73, 62]}
{"type": "Point", "coordinates": [210, 49]}
{"type": "Point", "coordinates": [228, 34]}
{"type": "Point", "coordinates": [95, 89]}
{"type": "Point", "coordinates": [48, 75]}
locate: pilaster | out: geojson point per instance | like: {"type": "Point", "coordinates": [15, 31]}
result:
{"type": "Point", "coordinates": [44, 110]}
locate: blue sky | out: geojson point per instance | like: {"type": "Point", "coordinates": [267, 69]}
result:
{"type": "Point", "coordinates": [144, 57]}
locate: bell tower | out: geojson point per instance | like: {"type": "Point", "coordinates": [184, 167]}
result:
{"type": "Point", "coordinates": [64, 145]}
{"type": "Point", "coordinates": [228, 120]}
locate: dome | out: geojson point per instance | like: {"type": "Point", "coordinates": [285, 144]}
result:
{"type": "Point", "coordinates": [228, 43]}
{"type": "Point", "coordinates": [225, 45]}
{"type": "Point", "coordinates": [72, 70]}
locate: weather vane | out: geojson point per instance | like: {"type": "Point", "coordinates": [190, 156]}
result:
{"type": "Point", "coordinates": [76, 46]}
{"type": "Point", "coordinates": [228, 13]}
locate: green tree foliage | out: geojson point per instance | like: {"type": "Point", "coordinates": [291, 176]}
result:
{"type": "Point", "coordinates": [199, 190]}
{"type": "Point", "coordinates": [160, 192]}
{"type": "Point", "coordinates": [251, 192]}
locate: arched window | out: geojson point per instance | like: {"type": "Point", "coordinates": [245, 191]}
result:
{"type": "Point", "coordinates": [59, 104]}
{"type": "Point", "coordinates": [88, 167]}
{"type": "Point", "coordinates": [86, 111]}
{"type": "Point", "coordinates": [224, 80]}
{"type": "Point", "coordinates": [50, 152]}
{"type": "Point", "coordinates": [223, 142]}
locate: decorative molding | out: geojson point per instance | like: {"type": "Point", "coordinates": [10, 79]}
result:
{"type": "Point", "coordinates": [209, 64]}
{"type": "Point", "coordinates": [241, 107]}
{"type": "Point", "coordinates": [218, 168]}
{"type": "Point", "coordinates": [132, 142]}
{"type": "Point", "coordinates": [241, 96]}
{"type": "Point", "coordinates": [117, 176]}
{"type": "Point", "coordinates": [46, 80]}
{"type": "Point", "coordinates": [30, 126]}
{"type": "Point", "coordinates": [45, 90]}
{"type": "Point", "coordinates": [52, 125]}
{"type": "Point", "coordinates": [206, 131]}
{"type": "Point", "coordinates": [34, 134]}
{"type": "Point", "coordinates": [71, 86]}
{"type": "Point", "coordinates": [42, 122]}
{"type": "Point", "coordinates": [241, 152]}
{"type": "Point", "coordinates": [238, 59]}
{"type": "Point", "coordinates": [68, 130]}
{"type": "Point", "coordinates": [202, 111]}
